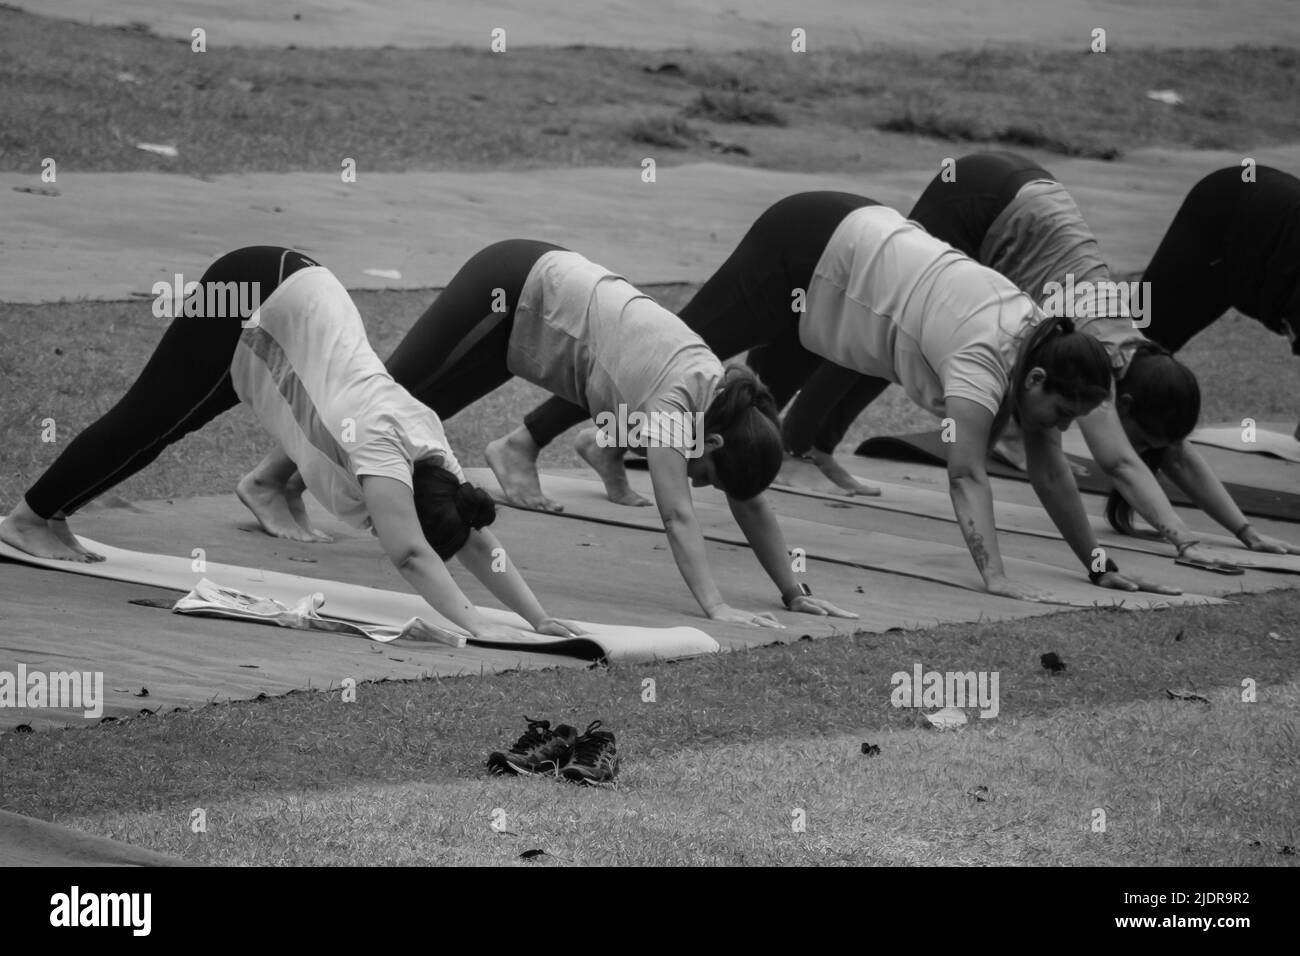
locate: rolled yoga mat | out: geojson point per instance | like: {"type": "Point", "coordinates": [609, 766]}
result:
{"type": "Point", "coordinates": [1271, 438]}
{"type": "Point", "coordinates": [367, 605]}
{"type": "Point", "coordinates": [928, 448]}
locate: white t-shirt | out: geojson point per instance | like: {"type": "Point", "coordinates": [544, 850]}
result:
{"type": "Point", "coordinates": [594, 339]}
{"type": "Point", "coordinates": [887, 299]}
{"type": "Point", "coordinates": [308, 372]}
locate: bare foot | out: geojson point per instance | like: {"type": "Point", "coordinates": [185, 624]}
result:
{"type": "Point", "coordinates": [837, 473]}
{"type": "Point", "coordinates": [608, 463]}
{"type": "Point", "coordinates": [31, 534]}
{"type": "Point", "coordinates": [60, 529]}
{"type": "Point", "coordinates": [293, 495]}
{"type": "Point", "coordinates": [513, 459]}
{"type": "Point", "coordinates": [271, 508]}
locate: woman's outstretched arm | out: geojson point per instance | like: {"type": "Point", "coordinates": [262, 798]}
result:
{"type": "Point", "coordinates": [391, 506]}
{"type": "Point", "coordinates": [672, 491]}
{"type": "Point", "coordinates": [488, 561]}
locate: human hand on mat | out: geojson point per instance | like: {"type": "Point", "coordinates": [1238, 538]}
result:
{"type": "Point", "coordinates": [806, 604]}
{"type": "Point", "coordinates": [1262, 542]}
{"type": "Point", "coordinates": [1131, 582]}
{"type": "Point", "coordinates": [1206, 556]}
{"type": "Point", "coordinates": [729, 615]}
{"type": "Point", "coordinates": [1005, 587]}
{"type": "Point", "coordinates": [554, 627]}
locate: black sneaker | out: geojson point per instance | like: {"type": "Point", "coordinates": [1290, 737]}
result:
{"type": "Point", "coordinates": [595, 758]}
{"type": "Point", "coordinates": [539, 750]}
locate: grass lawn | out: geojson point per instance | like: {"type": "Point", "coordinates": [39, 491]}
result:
{"type": "Point", "coordinates": [731, 747]}
{"type": "Point", "coordinates": [87, 95]}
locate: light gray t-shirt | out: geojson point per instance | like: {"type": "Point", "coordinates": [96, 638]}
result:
{"type": "Point", "coordinates": [888, 299]}
{"type": "Point", "coordinates": [310, 376]}
{"type": "Point", "coordinates": [593, 338]}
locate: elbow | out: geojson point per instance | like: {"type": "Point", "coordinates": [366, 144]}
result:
{"type": "Point", "coordinates": [408, 560]}
{"type": "Point", "coordinates": [675, 520]}
{"type": "Point", "coordinates": [961, 475]}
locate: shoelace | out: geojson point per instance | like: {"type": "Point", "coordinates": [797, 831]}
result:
{"type": "Point", "coordinates": [538, 733]}
{"type": "Point", "coordinates": [590, 746]}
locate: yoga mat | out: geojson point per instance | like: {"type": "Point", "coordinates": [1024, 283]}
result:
{"type": "Point", "coordinates": [806, 480]}
{"type": "Point", "coordinates": [1270, 439]}
{"type": "Point", "coordinates": [367, 605]}
{"type": "Point", "coordinates": [26, 841]}
{"type": "Point", "coordinates": [584, 499]}
{"type": "Point", "coordinates": [928, 448]}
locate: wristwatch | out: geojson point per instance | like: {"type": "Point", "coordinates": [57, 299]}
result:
{"type": "Point", "coordinates": [804, 590]}
{"type": "Point", "coordinates": [1095, 576]}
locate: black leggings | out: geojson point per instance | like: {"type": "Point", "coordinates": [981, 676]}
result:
{"type": "Point", "coordinates": [748, 302]}
{"type": "Point", "coordinates": [1233, 244]}
{"type": "Point", "coordinates": [455, 353]}
{"type": "Point", "coordinates": [960, 211]}
{"type": "Point", "coordinates": [184, 386]}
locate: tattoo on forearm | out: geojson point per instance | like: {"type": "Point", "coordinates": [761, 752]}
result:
{"type": "Point", "coordinates": [975, 541]}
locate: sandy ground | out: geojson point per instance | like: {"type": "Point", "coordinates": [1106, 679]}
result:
{"type": "Point", "coordinates": [112, 235]}
{"type": "Point", "coordinates": [700, 24]}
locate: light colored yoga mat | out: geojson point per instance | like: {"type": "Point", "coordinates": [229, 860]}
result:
{"type": "Point", "coordinates": [367, 605]}
{"type": "Point", "coordinates": [1270, 439]}
{"type": "Point", "coordinates": [803, 478]}
{"type": "Point", "coordinates": [584, 499]}
{"type": "Point", "coordinates": [26, 841]}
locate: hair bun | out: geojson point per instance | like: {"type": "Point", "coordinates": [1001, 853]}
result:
{"type": "Point", "coordinates": [475, 506]}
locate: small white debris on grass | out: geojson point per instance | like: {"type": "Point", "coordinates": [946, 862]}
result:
{"type": "Point", "coordinates": [950, 718]}
{"type": "Point", "coordinates": [1164, 96]}
{"type": "Point", "coordinates": [161, 150]}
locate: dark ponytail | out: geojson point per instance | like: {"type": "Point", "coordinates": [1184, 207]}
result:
{"type": "Point", "coordinates": [1165, 402]}
{"type": "Point", "coordinates": [1075, 363]}
{"type": "Point", "coordinates": [744, 413]}
{"type": "Point", "coordinates": [448, 508]}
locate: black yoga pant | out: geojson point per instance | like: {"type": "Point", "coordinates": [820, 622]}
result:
{"type": "Point", "coordinates": [456, 351]}
{"type": "Point", "coordinates": [1232, 244]}
{"type": "Point", "coordinates": [749, 301]}
{"type": "Point", "coordinates": [960, 212]}
{"type": "Point", "coordinates": [184, 386]}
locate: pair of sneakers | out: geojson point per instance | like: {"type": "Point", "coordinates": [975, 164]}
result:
{"type": "Point", "coordinates": [586, 758]}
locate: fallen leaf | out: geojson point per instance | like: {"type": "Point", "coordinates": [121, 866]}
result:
{"type": "Point", "coordinates": [1186, 695]}
{"type": "Point", "coordinates": [531, 854]}
{"type": "Point", "coordinates": [1052, 661]}
{"type": "Point", "coordinates": [871, 750]}
{"type": "Point", "coordinates": [979, 792]}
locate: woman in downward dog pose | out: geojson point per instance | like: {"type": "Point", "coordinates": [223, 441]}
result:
{"type": "Point", "coordinates": [1235, 243]}
{"type": "Point", "coordinates": [364, 447]}
{"type": "Point", "coordinates": [889, 303]}
{"type": "Point", "coordinates": [555, 319]}
{"type": "Point", "coordinates": [1011, 215]}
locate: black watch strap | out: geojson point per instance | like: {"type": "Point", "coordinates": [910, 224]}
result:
{"type": "Point", "coordinates": [804, 590]}
{"type": "Point", "coordinates": [1095, 576]}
